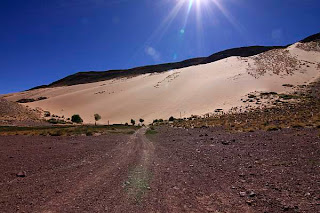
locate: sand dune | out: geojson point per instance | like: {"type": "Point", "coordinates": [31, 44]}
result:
{"type": "Point", "coordinates": [195, 90]}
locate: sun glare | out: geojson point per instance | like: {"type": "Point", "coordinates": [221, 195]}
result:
{"type": "Point", "coordinates": [202, 11]}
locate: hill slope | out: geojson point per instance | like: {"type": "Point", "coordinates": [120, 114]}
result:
{"type": "Point", "coordinates": [95, 76]}
{"type": "Point", "coordinates": [194, 90]}
{"type": "Point", "coordinates": [15, 114]}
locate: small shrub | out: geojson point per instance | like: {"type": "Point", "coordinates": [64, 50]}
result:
{"type": "Point", "coordinates": [53, 121]}
{"type": "Point", "coordinates": [297, 125]}
{"type": "Point", "coordinates": [42, 98]}
{"type": "Point", "coordinates": [268, 93]}
{"type": "Point", "coordinates": [57, 133]}
{"type": "Point", "coordinates": [273, 128]}
{"type": "Point", "coordinates": [47, 114]}
{"type": "Point", "coordinates": [151, 132]}
{"type": "Point", "coordinates": [287, 85]}
{"type": "Point", "coordinates": [287, 97]}
{"type": "Point", "coordinates": [56, 121]}
{"type": "Point", "coordinates": [76, 119]}
{"type": "Point", "coordinates": [171, 118]}
{"type": "Point", "coordinates": [89, 133]}
{"type": "Point", "coordinates": [26, 100]}
{"type": "Point", "coordinates": [133, 122]}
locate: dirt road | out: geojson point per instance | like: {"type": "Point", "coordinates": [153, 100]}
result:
{"type": "Point", "coordinates": [175, 170]}
{"type": "Point", "coordinates": [72, 174]}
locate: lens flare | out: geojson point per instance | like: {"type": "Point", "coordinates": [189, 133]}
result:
{"type": "Point", "coordinates": [197, 10]}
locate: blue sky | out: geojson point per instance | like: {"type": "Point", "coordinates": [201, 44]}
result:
{"type": "Point", "coordinates": [44, 40]}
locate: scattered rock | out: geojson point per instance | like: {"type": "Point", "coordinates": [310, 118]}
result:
{"type": "Point", "coordinates": [249, 202]}
{"type": "Point", "coordinates": [21, 174]}
{"type": "Point", "coordinates": [242, 194]}
{"type": "Point", "coordinates": [225, 142]}
{"type": "Point", "coordinates": [252, 194]}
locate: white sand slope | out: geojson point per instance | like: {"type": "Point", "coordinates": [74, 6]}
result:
{"type": "Point", "coordinates": [189, 91]}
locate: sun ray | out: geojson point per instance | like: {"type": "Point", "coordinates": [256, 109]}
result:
{"type": "Point", "coordinates": [228, 16]}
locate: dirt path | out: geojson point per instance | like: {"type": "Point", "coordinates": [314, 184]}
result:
{"type": "Point", "coordinates": [175, 170]}
{"type": "Point", "coordinates": [108, 180]}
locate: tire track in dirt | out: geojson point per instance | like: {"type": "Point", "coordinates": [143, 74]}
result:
{"type": "Point", "coordinates": [140, 176]}
{"type": "Point", "coordinates": [101, 185]}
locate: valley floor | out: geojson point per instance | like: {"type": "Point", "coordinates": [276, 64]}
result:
{"type": "Point", "coordinates": [164, 170]}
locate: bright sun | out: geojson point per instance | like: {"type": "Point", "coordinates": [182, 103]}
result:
{"type": "Point", "coordinates": [203, 11]}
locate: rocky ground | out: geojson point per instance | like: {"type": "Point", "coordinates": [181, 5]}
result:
{"type": "Point", "coordinates": [14, 114]}
{"type": "Point", "coordinates": [164, 170]}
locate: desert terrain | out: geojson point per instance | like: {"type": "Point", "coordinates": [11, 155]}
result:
{"type": "Point", "coordinates": [244, 137]}
{"type": "Point", "coordinates": [163, 170]}
{"type": "Point", "coordinates": [193, 90]}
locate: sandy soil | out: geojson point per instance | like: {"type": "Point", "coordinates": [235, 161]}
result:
{"type": "Point", "coordinates": [189, 91]}
{"type": "Point", "coordinates": [176, 170]}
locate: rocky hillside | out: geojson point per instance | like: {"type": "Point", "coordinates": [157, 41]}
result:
{"type": "Point", "coordinates": [12, 113]}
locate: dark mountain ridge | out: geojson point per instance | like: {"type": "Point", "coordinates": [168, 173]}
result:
{"type": "Point", "coordinates": [96, 76]}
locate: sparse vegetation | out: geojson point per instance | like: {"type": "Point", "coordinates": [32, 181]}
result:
{"type": "Point", "coordinates": [141, 120]}
{"type": "Point", "coordinates": [287, 96]}
{"type": "Point", "coordinates": [47, 114]}
{"type": "Point", "coordinates": [68, 130]}
{"type": "Point", "coordinates": [138, 183]}
{"type": "Point", "coordinates": [287, 85]}
{"type": "Point", "coordinates": [303, 110]}
{"type": "Point", "coordinates": [151, 132]}
{"type": "Point", "coordinates": [268, 93]}
{"type": "Point", "coordinates": [29, 100]}
{"type": "Point", "coordinates": [57, 121]}
{"type": "Point", "coordinates": [76, 119]}
{"type": "Point", "coordinates": [97, 117]}
{"type": "Point", "coordinates": [171, 118]}
{"type": "Point", "coordinates": [89, 133]}
{"type": "Point", "coordinates": [133, 122]}
{"type": "Point", "coordinates": [272, 128]}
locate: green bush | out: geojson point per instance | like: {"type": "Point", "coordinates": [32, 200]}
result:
{"type": "Point", "coordinates": [56, 121]}
{"type": "Point", "coordinates": [47, 114]}
{"type": "Point", "coordinates": [56, 133]}
{"type": "Point", "coordinates": [76, 119]}
{"type": "Point", "coordinates": [171, 118]}
{"type": "Point", "coordinates": [97, 117]}
{"type": "Point", "coordinates": [273, 128]}
{"type": "Point", "coordinates": [151, 132]}
{"type": "Point", "coordinates": [89, 133]}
